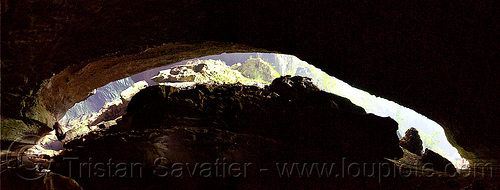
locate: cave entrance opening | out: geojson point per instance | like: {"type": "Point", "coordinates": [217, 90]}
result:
{"type": "Point", "coordinates": [253, 69]}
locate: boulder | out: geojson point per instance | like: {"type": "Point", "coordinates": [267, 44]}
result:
{"type": "Point", "coordinates": [412, 142]}
{"type": "Point", "coordinates": [284, 85]}
{"type": "Point", "coordinates": [258, 69]}
{"type": "Point", "coordinates": [302, 88]}
{"type": "Point", "coordinates": [434, 161]}
{"type": "Point", "coordinates": [127, 94]}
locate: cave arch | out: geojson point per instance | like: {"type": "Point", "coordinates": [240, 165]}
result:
{"type": "Point", "coordinates": [75, 83]}
{"type": "Point", "coordinates": [442, 66]}
{"type": "Point", "coordinates": [432, 134]}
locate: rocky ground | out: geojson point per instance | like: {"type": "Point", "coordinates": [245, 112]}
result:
{"type": "Point", "coordinates": [290, 121]}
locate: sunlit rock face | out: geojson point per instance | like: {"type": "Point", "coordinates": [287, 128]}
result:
{"type": "Point", "coordinates": [110, 111]}
{"type": "Point", "coordinates": [257, 69]}
{"type": "Point", "coordinates": [200, 71]}
{"type": "Point", "coordinates": [117, 108]}
{"type": "Point", "coordinates": [113, 101]}
{"type": "Point", "coordinates": [99, 98]}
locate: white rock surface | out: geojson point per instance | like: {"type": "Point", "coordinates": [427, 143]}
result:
{"type": "Point", "coordinates": [201, 71]}
{"type": "Point", "coordinates": [127, 94]}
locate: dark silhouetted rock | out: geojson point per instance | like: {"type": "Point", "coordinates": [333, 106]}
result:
{"type": "Point", "coordinates": [291, 121]}
{"type": "Point", "coordinates": [412, 142]}
{"type": "Point", "coordinates": [55, 181]}
{"type": "Point", "coordinates": [101, 126]}
{"type": "Point", "coordinates": [153, 151]}
{"type": "Point", "coordinates": [291, 110]}
{"type": "Point", "coordinates": [434, 161]}
{"type": "Point", "coordinates": [291, 86]}
{"type": "Point", "coordinates": [59, 131]}
{"type": "Point", "coordinates": [302, 88]}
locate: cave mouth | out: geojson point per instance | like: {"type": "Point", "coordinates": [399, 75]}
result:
{"type": "Point", "coordinates": [84, 113]}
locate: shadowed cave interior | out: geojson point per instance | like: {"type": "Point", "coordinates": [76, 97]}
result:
{"type": "Point", "coordinates": [434, 139]}
{"type": "Point", "coordinates": [239, 131]}
{"type": "Point", "coordinates": [106, 115]}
